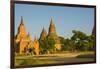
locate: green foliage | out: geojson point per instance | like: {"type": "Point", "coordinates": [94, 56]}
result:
{"type": "Point", "coordinates": [91, 42]}
{"type": "Point", "coordinates": [50, 45]}
{"type": "Point", "coordinates": [78, 35]}
{"type": "Point", "coordinates": [71, 46]}
{"type": "Point", "coordinates": [63, 41]}
{"type": "Point", "coordinates": [67, 44]}
{"type": "Point", "coordinates": [82, 41]}
{"type": "Point", "coordinates": [42, 46]}
{"type": "Point", "coordinates": [78, 42]}
{"type": "Point", "coordinates": [47, 45]}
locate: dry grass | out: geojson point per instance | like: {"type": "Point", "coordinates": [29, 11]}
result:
{"type": "Point", "coordinates": [64, 57]}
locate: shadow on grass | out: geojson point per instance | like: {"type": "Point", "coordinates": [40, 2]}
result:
{"type": "Point", "coordinates": [86, 56]}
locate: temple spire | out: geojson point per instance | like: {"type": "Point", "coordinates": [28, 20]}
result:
{"type": "Point", "coordinates": [52, 22]}
{"type": "Point", "coordinates": [21, 29]}
{"type": "Point", "coordinates": [44, 31]}
{"type": "Point", "coordinates": [21, 23]}
{"type": "Point", "coordinates": [43, 34]}
{"type": "Point", "coordinates": [52, 29]}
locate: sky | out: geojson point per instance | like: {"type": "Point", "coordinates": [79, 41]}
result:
{"type": "Point", "coordinates": [66, 19]}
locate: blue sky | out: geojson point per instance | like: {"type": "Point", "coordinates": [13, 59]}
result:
{"type": "Point", "coordinates": [66, 19]}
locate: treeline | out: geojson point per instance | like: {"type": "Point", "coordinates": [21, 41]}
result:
{"type": "Point", "coordinates": [78, 42]}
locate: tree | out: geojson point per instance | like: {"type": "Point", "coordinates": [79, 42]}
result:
{"type": "Point", "coordinates": [82, 41]}
{"type": "Point", "coordinates": [79, 40]}
{"type": "Point", "coordinates": [63, 41]}
{"type": "Point", "coordinates": [90, 42]}
{"type": "Point", "coordinates": [50, 45]}
{"type": "Point", "coordinates": [43, 48]}
{"type": "Point", "coordinates": [71, 46]}
{"type": "Point", "coordinates": [47, 45]}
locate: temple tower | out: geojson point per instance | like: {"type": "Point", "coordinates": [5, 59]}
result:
{"type": "Point", "coordinates": [43, 34]}
{"type": "Point", "coordinates": [53, 35]}
{"type": "Point", "coordinates": [21, 30]}
{"type": "Point", "coordinates": [52, 29]}
{"type": "Point", "coordinates": [21, 39]}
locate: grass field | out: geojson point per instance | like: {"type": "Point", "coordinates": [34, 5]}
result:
{"type": "Point", "coordinates": [64, 57]}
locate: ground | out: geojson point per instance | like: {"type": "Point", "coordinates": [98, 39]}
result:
{"type": "Point", "coordinates": [57, 58]}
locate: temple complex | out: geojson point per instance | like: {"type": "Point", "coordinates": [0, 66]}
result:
{"type": "Point", "coordinates": [24, 43]}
